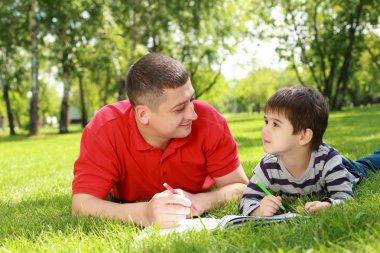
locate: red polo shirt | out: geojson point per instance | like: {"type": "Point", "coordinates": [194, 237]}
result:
{"type": "Point", "coordinates": [114, 158]}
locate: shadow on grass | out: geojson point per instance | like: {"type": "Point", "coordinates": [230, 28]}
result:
{"type": "Point", "coordinates": [41, 136]}
{"type": "Point", "coordinates": [29, 218]}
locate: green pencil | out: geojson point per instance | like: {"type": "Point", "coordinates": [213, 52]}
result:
{"type": "Point", "coordinates": [267, 192]}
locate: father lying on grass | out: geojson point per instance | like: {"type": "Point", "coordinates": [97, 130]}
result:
{"type": "Point", "coordinates": [161, 134]}
{"type": "Point", "coordinates": [297, 161]}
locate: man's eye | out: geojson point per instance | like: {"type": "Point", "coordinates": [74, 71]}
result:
{"type": "Point", "coordinates": [180, 109]}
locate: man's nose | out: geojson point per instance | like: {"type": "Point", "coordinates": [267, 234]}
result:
{"type": "Point", "coordinates": [190, 112]}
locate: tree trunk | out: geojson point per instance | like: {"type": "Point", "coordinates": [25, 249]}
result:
{"type": "Point", "coordinates": [33, 30]}
{"type": "Point", "coordinates": [5, 83]}
{"type": "Point", "coordinates": [342, 82]}
{"type": "Point", "coordinates": [82, 102]}
{"type": "Point", "coordinates": [63, 122]}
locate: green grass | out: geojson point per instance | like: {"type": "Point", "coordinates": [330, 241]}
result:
{"type": "Point", "coordinates": [35, 200]}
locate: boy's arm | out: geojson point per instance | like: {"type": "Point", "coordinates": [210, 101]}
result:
{"type": "Point", "coordinates": [253, 193]}
{"type": "Point", "coordinates": [338, 185]}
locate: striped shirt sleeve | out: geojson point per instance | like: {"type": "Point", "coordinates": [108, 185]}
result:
{"type": "Point", "coordinates": [339, 187]}
{"type": "Point", "coordinates": [253, 194]}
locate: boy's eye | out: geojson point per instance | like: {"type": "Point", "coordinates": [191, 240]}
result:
{"type": "Point", "coordinates": [266, 122]}
{"type": "Point", "coordinates": [275, 124]}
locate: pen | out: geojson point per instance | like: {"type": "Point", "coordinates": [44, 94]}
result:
{"type": "Point", "coordinates": [174, 192]}
{"type": "Point", "coordinates": [267, 192]}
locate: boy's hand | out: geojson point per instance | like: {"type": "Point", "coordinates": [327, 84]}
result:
{"type": "Point", "coordinates": [268, 206]}
{"type": "Point", "coordinates": [315, 206]}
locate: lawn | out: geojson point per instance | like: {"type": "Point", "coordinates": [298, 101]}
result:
{"type": "Point", "coordinates": [35, 200]}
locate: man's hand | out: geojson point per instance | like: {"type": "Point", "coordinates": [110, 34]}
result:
{"type": "Point", "coordinates": [167, 209]}
{"type": "Point", "coordinates": [268, 206]}
{"type": "Point", "coordinates": [315, 206]}
{"type": "Point", "coordinates": [195, 201]}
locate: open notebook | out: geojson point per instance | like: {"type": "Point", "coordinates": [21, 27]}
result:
{"type": "Point", "coordinates": [198, 224]}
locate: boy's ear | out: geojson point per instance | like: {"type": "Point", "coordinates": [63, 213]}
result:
{"type": "Point", "coordinates": [141, 112]}
{"type": "Point", "coordinates": [306, 136]}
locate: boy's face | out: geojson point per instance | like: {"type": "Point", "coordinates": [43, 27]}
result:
{"type": "Point", "coordinates": [277, 134]}
{"type": "Point", "coordinates": [175, 114]}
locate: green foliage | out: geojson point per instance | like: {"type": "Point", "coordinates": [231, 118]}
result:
{"type": "Point", "coordinates": [253, 91]}
{"type": "Point", "coordinates": [324, 41]}
{"type": "Point", "coordinates": [99, 40]}
{"type": "Point", "coordinates": [35, 202]}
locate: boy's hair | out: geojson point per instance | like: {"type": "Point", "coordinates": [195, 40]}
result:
{"type": "Point", "coordinates": [150, 75]}
{"type": "Point", "coordinates": [304, 108]}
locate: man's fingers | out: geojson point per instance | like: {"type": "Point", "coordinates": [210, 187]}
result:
{"type": "Point", "coordinates": [178, 199]}
{"type": "Point", "coordinates": [174, 209]}
{"type": "Point", "coordinates": [167, 197]}
{"type": "Point", "coordinates": [169, 221]}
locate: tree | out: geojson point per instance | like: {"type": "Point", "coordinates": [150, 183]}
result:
{"type": "Point", "coordinates": [33, 30]}
{"type": "Point", "coordinates": [72, 24]}
{"type": "Point", "coordinates": [198, 33]}
{"type": "Point", "coordinates": [321, 38]}
{"type": "Point", "coordinates": [11, 19]}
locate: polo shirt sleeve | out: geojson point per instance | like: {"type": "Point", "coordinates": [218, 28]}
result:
{"type": "Point", "coordinates": [96, 168]}
{"type": "Point", "coordinates": [222, 156]}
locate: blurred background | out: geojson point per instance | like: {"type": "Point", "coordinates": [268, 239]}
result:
{"type": "Point", "coordinates": [60, 61]}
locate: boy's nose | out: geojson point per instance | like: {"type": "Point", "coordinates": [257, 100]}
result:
{"type": "Point", "coordinates": [264, 131]}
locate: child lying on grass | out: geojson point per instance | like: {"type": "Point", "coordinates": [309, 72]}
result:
{"type": "Point", "coordinates": [297, 161]}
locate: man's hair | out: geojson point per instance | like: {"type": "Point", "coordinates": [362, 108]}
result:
{"type": "Point", "coordinates": [304, 108]}
{"type": "Point", "coordinates": [150, 75]}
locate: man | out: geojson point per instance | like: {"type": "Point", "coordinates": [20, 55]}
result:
{"type": "Point", "coordinates": [130, 148]}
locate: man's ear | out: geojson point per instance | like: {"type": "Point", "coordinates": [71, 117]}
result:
{"type": "Point", "coordinates": [141, 112]}
{"type": "Point", "coordinates": [306, 136]}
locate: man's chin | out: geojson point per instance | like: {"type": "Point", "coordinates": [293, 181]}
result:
{"type": "Point", "coordinates": [183, 134]}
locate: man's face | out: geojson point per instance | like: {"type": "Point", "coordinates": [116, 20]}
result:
{"type": "Point", "coordinates": [175, 114]}
{"type": "Point", "coordinates": [277, 134]}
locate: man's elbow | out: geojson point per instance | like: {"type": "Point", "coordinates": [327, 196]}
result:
{"type": "Point", "coordinates": [78, 205]}
{"type": "Point", "coordinates": [239, 189]}
{"type": "Point", "coordinates": [74, 206]}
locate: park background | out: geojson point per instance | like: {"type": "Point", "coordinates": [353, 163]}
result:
{"type": "Point", "coordinates": [60, 61]}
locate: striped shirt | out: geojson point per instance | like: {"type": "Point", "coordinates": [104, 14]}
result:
{"type": "Point", "coordinates": [325, 176]}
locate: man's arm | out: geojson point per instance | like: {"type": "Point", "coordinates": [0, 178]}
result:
{"type": "Point", "coordinates": [165, 208]}
{"type": "Point", "coordinates": [230, 186]}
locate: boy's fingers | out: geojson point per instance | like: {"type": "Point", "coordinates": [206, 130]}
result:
{"type": "Point", "coordinates": [275, 200]}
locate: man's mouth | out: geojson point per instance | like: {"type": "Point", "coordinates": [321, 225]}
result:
{"type": "Point", "coordinates": [188, 124]}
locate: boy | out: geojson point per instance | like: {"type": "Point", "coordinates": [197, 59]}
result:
{"type": "Point", "coordinates": [297, 161]}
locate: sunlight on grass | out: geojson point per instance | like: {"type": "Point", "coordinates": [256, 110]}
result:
{"type": "Point", "coordinates": [35, 200]}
